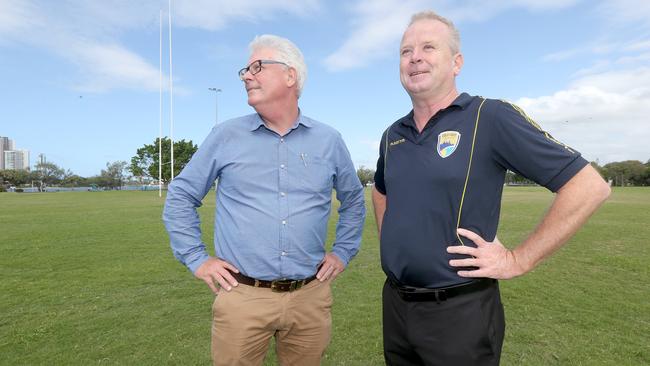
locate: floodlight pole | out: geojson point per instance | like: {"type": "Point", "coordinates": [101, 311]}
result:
{"type": "Point", "coordinates": [216, 104]}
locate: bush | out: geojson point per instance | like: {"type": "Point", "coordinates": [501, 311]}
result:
{"type": "Point", "coordinates": [3, 189]}
{"type": "Point", "coordinates": [18, 190]}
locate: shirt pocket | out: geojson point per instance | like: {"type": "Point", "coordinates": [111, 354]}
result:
{"type": "Point", "coordinates": [315, 174]}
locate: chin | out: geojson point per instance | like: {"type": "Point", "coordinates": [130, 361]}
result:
{"type": "Point", "coordinates": [414, 89]}
{"type": "Point", "coordinates": [252, 100]}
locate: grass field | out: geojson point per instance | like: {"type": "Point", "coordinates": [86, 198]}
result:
{"type": "Point", "coordinates": [89, 279]}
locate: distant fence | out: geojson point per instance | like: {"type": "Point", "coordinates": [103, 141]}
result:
{"type": "Point", "coordinates": [143, 187]}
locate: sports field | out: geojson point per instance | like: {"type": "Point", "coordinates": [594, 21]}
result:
{"type": "Point", "coordinates": [87, 278]}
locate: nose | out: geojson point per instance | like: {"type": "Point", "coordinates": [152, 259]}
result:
{"type": "Point", "coordinates": [415, 57]}
{"type": "Point", "coordinates": [247, 76]}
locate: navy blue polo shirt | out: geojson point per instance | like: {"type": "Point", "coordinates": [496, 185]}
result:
{"type": "Point", "coordinates": [425, 177]}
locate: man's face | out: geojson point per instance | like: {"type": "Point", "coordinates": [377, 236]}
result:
{"type": "Point", "coordinates": [272, 83]}
{"type": "Point", "coordinates": [427, 65]}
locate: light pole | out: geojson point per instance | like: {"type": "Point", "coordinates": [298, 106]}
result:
{"type": "Point", "coordinates": [216, 104]}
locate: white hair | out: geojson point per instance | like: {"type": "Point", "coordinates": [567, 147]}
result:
{"type": "Point", "coordinates": [454, 40]}
{"type": "Point", "coordinates": [285, 51]}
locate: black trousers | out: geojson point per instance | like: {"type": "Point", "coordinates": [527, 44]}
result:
{"type": "Point", "coordinates": [463, 330]}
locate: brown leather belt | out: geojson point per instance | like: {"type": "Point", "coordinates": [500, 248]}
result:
{"type": "Point", "coordinates": [276, 285]}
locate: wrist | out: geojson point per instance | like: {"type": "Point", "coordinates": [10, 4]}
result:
{"type": "Point", "coordinates": [520, 265]}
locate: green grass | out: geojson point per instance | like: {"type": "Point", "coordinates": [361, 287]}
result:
{"type": "Point", "coordinates": [88, 278]}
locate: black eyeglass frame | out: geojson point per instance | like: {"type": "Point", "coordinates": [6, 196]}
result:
{"type": "Point", "coordinates": [259, 64]}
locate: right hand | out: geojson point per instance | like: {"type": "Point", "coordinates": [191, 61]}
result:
{"type": "Point", "coordinates": [216, 273]}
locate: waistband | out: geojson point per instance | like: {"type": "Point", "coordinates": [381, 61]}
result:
{"type": "Point", "coordinates": [408, 293]}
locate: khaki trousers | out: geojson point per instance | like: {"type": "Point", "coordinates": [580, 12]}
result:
{"type": "Point", "coordinates": [245, 319]}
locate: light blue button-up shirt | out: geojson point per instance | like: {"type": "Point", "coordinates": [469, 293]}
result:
{"type": "Point", "coordinates": [273, 198]}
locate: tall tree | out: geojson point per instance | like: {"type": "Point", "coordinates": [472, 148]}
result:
{"type": "Point", "coordinates": [14, 177]}
{"type": "Point", "coordinates": [366, 175]}
{"type": "Point", "coordinates": [113, 176]}
{"type": "Point", "coordinates": [74, 180]}
{"type": "Point", "coordinates": [598, 168]}
{"type": "Point", "coordinates": [145, 162]}
{"type": "Point", "coordinates": [624, 173]}
{"type": "Point", "coordinates": [513, 178]}
{"type": "Point", "coordinates": [48, 174]}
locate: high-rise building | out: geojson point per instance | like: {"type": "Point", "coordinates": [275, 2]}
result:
{"type": "Point", "coordinates": [5, 144]}
{"type": "Point", "coordinates": [16, 159]}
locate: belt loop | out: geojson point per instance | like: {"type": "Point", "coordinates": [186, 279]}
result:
{"type": "Point", "coordinates": [441, 295]}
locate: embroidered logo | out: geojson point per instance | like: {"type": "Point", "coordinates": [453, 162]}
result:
{"type": "Point", "coordinates": [397, 142]}
{"type": "Point", "coordinates": [447, 143]}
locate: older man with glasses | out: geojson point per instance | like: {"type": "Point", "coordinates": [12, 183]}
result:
{"type": "Point", "coordinates": [276, 169]}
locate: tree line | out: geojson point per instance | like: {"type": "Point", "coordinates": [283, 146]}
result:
{"type": "Point", "coordinates": [47, 174]}
{"type": "Point", "coordinates": [142, 169]}
{"type": "Point", "coordinates": [619, 174]}
{"type": "Point", "coordinates": [145, 164]}
{"type": "Point", "coordinates": [628, 173]}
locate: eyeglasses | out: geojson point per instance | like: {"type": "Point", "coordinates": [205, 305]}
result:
{"type": "Point", "coordinates": [256, 66]}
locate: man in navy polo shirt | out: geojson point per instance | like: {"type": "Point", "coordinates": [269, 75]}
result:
{"type": "Point", "coordinates": [437, 198]}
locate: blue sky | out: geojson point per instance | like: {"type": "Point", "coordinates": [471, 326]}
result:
{"type": "Point", "coordinates": [79, 79]}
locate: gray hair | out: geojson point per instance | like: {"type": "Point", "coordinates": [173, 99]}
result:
{"type": "Point", "coordinates": [285, 51]}
{"type": "Point", "coordinates": [454, 40]}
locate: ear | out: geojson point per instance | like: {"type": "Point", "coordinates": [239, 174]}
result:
{"type": "Point", "coordinates": [292, 77]}
{"type": "Point", "coordinates": [457, 63]}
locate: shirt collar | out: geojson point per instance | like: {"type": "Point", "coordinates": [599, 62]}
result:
{"type": "Point", "coordinates": [257, 121]}
{"type": "Point", "coordinates": [461, 101]}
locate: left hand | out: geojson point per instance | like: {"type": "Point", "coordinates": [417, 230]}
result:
{"type": "Point", "coordinates": [492, 259]}
{"type": "Point", "coordinates": [330, 267]}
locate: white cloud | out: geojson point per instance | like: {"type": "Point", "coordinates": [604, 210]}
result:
{"type": "Point", "coordinates": [635, 59]}
{"type": "Point", "coordinates": [115, 67]}
{"type": "Point", "coordinates": [544, 4]}
{"type": "Point", "coordinates": [377, 25]}
{"type": "Point", "coordinates": [604, 111]}
{"type": "Point", "coordinates": [596, 67]}
{"type": "Point", "coordinates": [88, 33]}
{"type": "Point", "coordinates": [605, 115]}
{"type": "Point", "coordinates": [600, 48]}
{"type": "Point", "coordinates": [565, 54]}
{"type": "Point", "coordinates": [213, 15]}
{"type": "Point", "coordinates": [640, 45]}
{"type": "Point", "coordinates": [15, 18]}
{"type": "Point", "coordinates": [626, 11]}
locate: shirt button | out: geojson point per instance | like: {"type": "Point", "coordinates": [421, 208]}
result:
{"type": "Point", "coordinates": [284, 222]}
{"type": "Point", "coordinates": [282, 140]}
{"type": "Point", "coordinates": [282, 194]}
{"type": "Point", "coordinates": [282, 166]}
{"type": "Point", "coordinates": [283, 253]}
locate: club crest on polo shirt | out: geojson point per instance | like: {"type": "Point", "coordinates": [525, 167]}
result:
{"type": "Point", "coordinates": [447, 143]}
